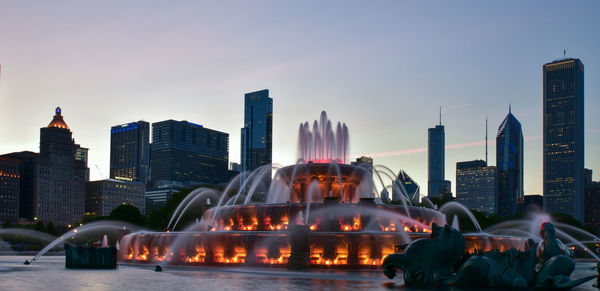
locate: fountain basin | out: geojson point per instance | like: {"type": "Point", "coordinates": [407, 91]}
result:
{"type": "Point", "coordinates": [351, 250]}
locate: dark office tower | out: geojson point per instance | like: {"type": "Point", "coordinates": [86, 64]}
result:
{"type": "Point", "coordinates": [28, 175]}
{"type": "Point", "coordinates": [10, 181]}
{"type": "Point", "coordinates": [564, 138]}
{"type": "Point", "coordinates": [61, 173]}
{"type": "Point", "coordinates": [592, 207]}
{"type": "Point", "coordinates": [509, 160]}
{"type": "Point", "coordinates": [130, 152]}
{"type": "Point", "coordinates": [257, 134]}
{"type": "Point", "coordinates": [184, 152]}
{"type": "Point", "coordinates": [437, 186]}
{"type": "Point", "coordinates": [477, 186]}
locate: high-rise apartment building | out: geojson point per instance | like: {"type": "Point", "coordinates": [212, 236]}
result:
{"type": "Point", "coordinates": [509, 160]}
{"type": "Point", "coordinates": [130, 152]}
{"type": "Point", "coordinates": [563, 99]}
{"type": "Point", "coordinates": [257, 133]}
{"type": "Point", "coordinates": [477, 186]}
{"type": "Point", "coordinates": [186, 152]}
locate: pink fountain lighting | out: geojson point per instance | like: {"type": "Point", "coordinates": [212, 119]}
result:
{"type": "Point", "coordinates": [323, 144]}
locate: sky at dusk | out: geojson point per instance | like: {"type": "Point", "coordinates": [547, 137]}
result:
{"type": "Point", "coordinates": [382, 67]}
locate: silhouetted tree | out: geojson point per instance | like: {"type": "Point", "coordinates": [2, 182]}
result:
{"type": "Point", "coordinates": [51, 229]}
{"type": "Point", "coordinates": [128, 213]}
{"type": "Point", "coordinates": [39, 226]}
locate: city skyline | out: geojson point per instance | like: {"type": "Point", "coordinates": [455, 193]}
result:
{"type": "Point", "coordinates": [386, 114]}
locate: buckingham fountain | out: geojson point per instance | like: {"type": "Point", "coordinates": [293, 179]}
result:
{"type": "Point", "coordinates": [325, 213]}
{"type": "Point", "coordinates": [319, 213]}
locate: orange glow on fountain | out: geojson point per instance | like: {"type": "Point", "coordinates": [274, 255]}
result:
{"type": "Point", "coordinates": [325, 213]}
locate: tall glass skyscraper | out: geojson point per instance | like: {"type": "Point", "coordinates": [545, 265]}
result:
{"type": "Point", "coordinates": [257, 134]}
{"type": "Point", "coordinates": [436, 186]}
{"type": "Point", "coordinates": [187, 152]}
{"type": "Point", "coordinates": [564, 138]}
{"type": "Point", "coordinates": [130, 152]}
{"type": "Point", "coordinates": [509, 160]}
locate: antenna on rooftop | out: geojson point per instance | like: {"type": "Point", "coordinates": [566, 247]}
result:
{"type": "Point", "coordinates": [486, 141]}
{"type": "Point", "coordinates": [440, 115]}
{"type": "Point", "coordinates": [564, 53]}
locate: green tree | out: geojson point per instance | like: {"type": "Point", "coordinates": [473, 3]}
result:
{"type": "Point", "coordinates": [128, 213]}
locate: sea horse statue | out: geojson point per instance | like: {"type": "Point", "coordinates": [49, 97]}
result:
{"type": "Point", "coordinates": [428, 263]}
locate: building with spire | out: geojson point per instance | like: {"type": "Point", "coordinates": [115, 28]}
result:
{"type": "Point", "coordinates": [437, 186]}
{"type": "Point", "coordinates": [59, 194]}
{"type": "Point", "coordinates": [509, 161]}
{"type": "Point", "coordinates": [563, 153]}
{"type": "Point", "coordinates": [53, 181]}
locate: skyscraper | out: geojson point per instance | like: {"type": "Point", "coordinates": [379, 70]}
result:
{"type": "Point", "coordinates": [257, 134]}
{"type": "Point", "coordinates": [509, 160]}
{"type": "Point", "coordinates": [405, 185]}
{"type": "Point", "coordinates": [564, 137]}
{"type": "Point", "coordinates": [188, 153]}
{"type": "Point", "coordinates": [437, 186]}
{"type": "Point", "coordinates": [61, 173]}
{"type": "Point", "coordinates": [477, 186]}
{"type": "Point", "coordinates": [130, 152]}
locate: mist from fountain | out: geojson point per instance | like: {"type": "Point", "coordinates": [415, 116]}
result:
{"type": "Point", "coordinates": [311, 190]}
{"type": "Point", "coordinates": [183, 203]}
{"type": "Point", "coordinates": [530, 227]}
{"type": "Point", "coordinates": [266, 172]}
{"type": "Point", "coordinates": [450, 206]}
{"type": "Point", "coordinates": [42, 236]}
{"type": "Point", "coordinates": [86, 229]}
{"type": "Point", "coordinates": [321, 144]}
{"type": "Point", "coordinates": [203, 194]}
{"type": "Point", "coordinates": [428, 202]}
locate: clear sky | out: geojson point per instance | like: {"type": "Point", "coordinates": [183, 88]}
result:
{"type": "Point", "coordinates": [382, 67]}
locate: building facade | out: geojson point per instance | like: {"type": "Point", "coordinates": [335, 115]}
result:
{"type": "Point", "coordinates": [60, 175]}
{"type": "Point", "coordinates": [592, 207]}
{"type": "Point", "coordinates": [27, 179]}
{"type": "Point", "coordinates": [535, 202]}
{"type": "Point", "coordinates": [157, 198]}
{"type": "Point", "coordinates": [437, 186]}
{"type": "Point", "coordinates": [101, 197]}
{"type": "Point", "coordinates": [10, 182]}
{"type": "Point", "coordinates": [509, 160]}
{"type": "Point", "coordinates": [182, 151]}
{"type": "Point", "coordinates": [257, 133]}
{"type": "Point", "coordinates": [130, 152]}
{"type": "Point", "coordinates": [563, 151]}
{"type": "Point", "coordinates": [477, 186]}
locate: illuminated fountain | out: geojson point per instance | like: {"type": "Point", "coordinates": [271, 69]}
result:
{"type": "Point", "coordinates": [319, 213]}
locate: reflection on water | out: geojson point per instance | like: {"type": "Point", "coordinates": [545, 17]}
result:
{"type": "Point", "coordinates": [49, 274]}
